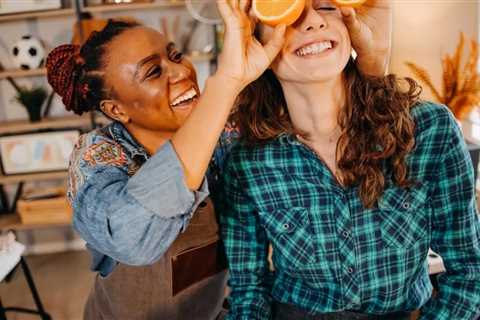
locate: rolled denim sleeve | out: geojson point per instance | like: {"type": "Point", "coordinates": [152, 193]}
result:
{"type": "Point", "coordinates": [134, 219]}
{"type": "Point", "coordinates": [456, 234]}
{"type": "Point", "coordinates": [159, 185]}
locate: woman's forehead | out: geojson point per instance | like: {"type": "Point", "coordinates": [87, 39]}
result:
{"type": "Point", "coordinates": [137, 42]}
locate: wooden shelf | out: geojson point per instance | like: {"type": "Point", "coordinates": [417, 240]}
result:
{"type": "Point", "coordinates": [201, 57]}
{"type": "Point", "coordinates": [37, 14]}
{"type": "Point", "coordinates": [18, 126]}
{"type": "Point", "coordinates": [134, 6]}
{"type": "Point", "coordinates": [23, 73]}
{"type": "Point", "coordinates": [12, 222]}
{"type": "Point", "coordinates": [57, 175]}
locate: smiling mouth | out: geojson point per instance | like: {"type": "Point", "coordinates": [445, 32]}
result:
{"type": "Point", "coordinates": [315, 48]}
{"type": "Point", "coordinates": [185, 99]}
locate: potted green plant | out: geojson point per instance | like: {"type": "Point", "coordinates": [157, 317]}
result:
{"type": "Point", "coordinates": [32, 100]}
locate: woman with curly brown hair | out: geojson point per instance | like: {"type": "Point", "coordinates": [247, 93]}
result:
{"type": "Point", "coordinates": [351, 179]}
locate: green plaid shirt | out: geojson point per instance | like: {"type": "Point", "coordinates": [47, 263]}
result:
{"type": "Point", "coordinates": [330, 253]}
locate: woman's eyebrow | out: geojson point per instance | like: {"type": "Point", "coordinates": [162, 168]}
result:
{"type": "Point", "coordinates": [144, 61]}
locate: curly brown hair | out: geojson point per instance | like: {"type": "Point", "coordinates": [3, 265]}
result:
{"type": "Point", "coordinates": [377, 128]}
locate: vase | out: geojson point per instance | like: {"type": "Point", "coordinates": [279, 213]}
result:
{"type": "Point", "coordinates": [34, 113]}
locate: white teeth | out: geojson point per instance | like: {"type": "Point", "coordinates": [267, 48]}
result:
{"type": "Point", "coordinates": [190, 94]}
{"type": "Point", "coordinates": [314, 48]}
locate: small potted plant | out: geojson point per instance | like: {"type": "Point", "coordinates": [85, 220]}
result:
{"type": "Point", "coordinates": [460, 90]}
{"type": "Point", "coordinates": [32, 100]}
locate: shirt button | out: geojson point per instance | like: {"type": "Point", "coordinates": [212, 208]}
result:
{"type": "Point", "coordinates": [406, 205]}
{"type": "Point", "coordinates": [346, 234]}
{"type": "Point", "coordinates": [350, 270]}
{"type": "Point", "coordinates": [286, 226]}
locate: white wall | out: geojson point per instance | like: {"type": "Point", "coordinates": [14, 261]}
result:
{"type": "Point", "coordinates": [425, 30]}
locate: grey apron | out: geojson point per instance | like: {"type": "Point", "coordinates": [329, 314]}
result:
{"type": "Point", "coordinates": [188, 282]}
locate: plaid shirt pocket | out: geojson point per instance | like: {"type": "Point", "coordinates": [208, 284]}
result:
{"type": "Point", "coordinates": [291, 236]}
{"type": "Point", "coordinates": [403, 217]}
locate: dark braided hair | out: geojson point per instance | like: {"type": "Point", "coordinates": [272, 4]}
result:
{"type": "Point", "coordinates": [75, 73]}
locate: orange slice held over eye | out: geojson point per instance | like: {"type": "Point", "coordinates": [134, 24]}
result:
{"type": "Point", "coordinates": [349, 3]}
{"type": "Point", "coordinates": [275, 12]}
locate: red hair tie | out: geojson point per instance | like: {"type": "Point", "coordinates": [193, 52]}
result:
{"type": "Point", "coordinates": [62, 63]}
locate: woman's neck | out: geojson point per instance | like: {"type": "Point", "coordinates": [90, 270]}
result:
{"type": "Point", "coordinates": [314, 108]}
{"type": "Point", "coordinates": [151, 140]}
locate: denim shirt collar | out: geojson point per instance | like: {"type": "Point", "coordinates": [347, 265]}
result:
{"type": "Point", "coordinates": [120, 134]}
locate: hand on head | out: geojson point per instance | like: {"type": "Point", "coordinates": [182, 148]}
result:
{"type": "Point", "coordinates": [244, 58]}
{"type": "Point", "coordinates": [370, 29]}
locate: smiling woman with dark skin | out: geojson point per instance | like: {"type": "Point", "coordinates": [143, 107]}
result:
{"type": "Point", "coordinates": [138, 186]}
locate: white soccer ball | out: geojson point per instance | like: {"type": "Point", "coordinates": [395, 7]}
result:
{"type": "Point", "coordinates": [28, 53]}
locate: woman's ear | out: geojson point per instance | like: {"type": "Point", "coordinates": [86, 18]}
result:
{"type": "Point", "coordinates": [114, 110]}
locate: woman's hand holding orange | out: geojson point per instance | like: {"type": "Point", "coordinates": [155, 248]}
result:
{"type": "Point", "coordinates": [370, 28]}
{"type": "Point", "coordinates": [244, 58]}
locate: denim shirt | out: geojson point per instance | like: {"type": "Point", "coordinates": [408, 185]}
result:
{"type": "Point", "coordinates": [129, 207]}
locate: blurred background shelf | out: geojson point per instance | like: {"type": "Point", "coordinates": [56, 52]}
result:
{"type": "Point", "coordinates": [18, 126]}
{"type": "Point", "coordinates": [133, 6]}
{"type": "Point", "coordinates": [37, 14]}
{"type": "Point", "coordinates": [23, 73]}
{"type": "Point", "coordinates": [200, 57]}
{"type": "Point", "coordinates": [17, 178]}
{"type": "Point", "coordinates": [11, 221]}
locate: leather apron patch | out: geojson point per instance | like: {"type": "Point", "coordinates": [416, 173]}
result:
{"type": "Point", "coordinates": [196, 264]}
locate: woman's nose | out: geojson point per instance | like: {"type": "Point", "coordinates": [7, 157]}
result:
{"type": "Point", "coordinates": [313, 20]}
{"type": "Point", "coordinates": [178, 72]}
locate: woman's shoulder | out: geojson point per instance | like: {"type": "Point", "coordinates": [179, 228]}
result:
{"type": "Point", "coordinates": [435, 128]}
{"type": "Point", "coordinates": [97, 147]}
{"type": "Point", "coordinates": [244, 151]}
{"type": "Point", "coordinates": [245, 156]}
{"type": "Point", "coordinates": [430, 115]}
{"type": "Point", "coordinates": [97, 150]}
{"type": "Point", "coordinates": [93, 153]}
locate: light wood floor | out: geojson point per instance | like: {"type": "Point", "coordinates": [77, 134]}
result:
{"type": "Point", "coordinates": [63, 281]}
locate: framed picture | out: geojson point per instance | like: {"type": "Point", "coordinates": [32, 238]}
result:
{"type": "Point", "coordinates": [38, 152]}
{"type": "Point", "coordinates": [17, 6]}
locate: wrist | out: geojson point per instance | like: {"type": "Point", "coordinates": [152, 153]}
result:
{"type": "Point", "coordinates": [374, 63]}
{"type": "Point", "coordinates": [227, 84]}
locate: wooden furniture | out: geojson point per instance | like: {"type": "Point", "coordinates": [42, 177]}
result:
{"type": "Point", "coordinates": [23, 126]}
{"type": "Point", "coordinates": [40, 311]}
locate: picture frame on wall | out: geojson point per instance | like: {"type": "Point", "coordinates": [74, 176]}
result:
{"type": "Point", "coordinates": [21, 6]}
{"type": "Point", "coordinates": [37, 152]}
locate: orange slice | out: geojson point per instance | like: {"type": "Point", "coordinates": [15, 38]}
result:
{"type": "Point", "coordinates": [275, 12]}
{"type": "Point", "coordinates": [349, 3]}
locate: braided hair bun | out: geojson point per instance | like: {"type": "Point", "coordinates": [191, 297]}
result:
{"type": "Point", "coordinates": [63, 65]}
